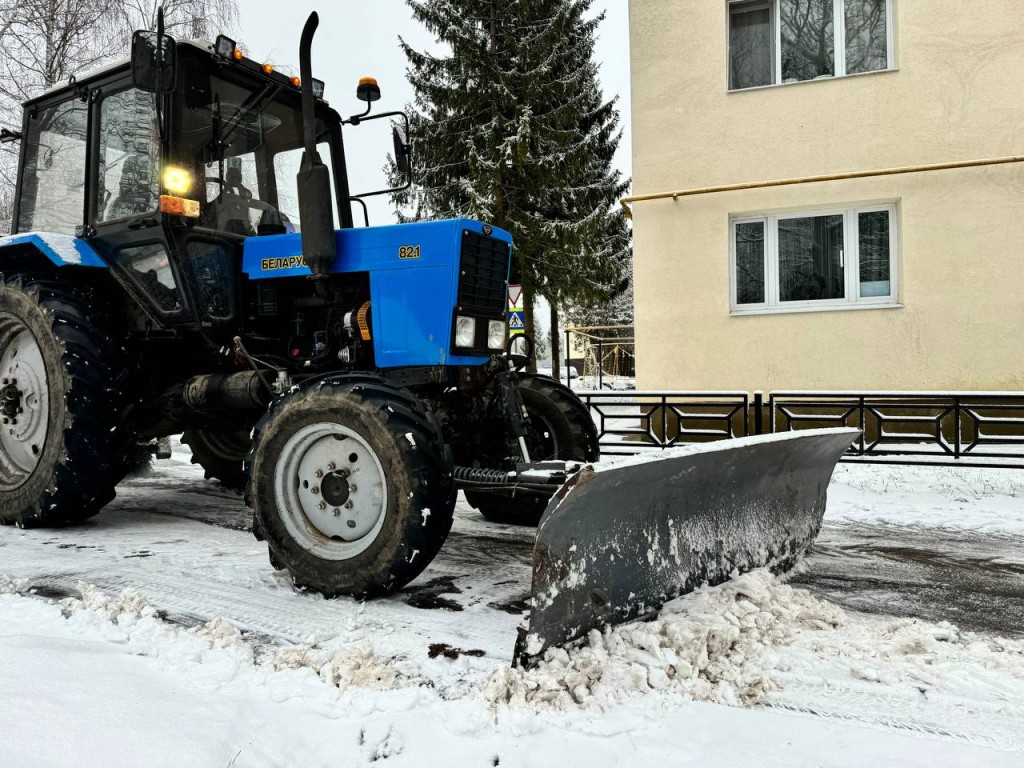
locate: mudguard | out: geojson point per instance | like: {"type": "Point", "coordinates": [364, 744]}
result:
{"type": "Point", "coordinates": [62, 250]}
{"type": "Point", "coordinates": [618, 541]}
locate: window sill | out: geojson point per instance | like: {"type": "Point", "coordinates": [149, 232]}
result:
{"type": "Point", "coordinates": [789, 310]}
{"type": "Point", "coordinates": [816, 80]}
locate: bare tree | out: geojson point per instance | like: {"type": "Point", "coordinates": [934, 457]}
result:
{"type": "Point", "coordinates": [46, 42]}
{"type": "Point", "coordinates": [182, 18]}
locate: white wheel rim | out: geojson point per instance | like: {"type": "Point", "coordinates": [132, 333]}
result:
{"type": "Point", "coordinates": [330, 490]}
{"type": "Point", "coordinates": [24, 402]}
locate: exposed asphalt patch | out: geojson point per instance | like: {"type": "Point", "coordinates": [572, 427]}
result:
{"type": "Point", "coordinates": [429, 595]}
{"type": "Point", "coordinates": [450, 652]}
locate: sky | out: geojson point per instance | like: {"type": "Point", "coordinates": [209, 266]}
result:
{"type": "Point", "coordinates": [356, 39]}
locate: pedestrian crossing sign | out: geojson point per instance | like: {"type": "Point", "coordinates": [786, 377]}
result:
{"type": "Point", "coordinates": [515, 322]}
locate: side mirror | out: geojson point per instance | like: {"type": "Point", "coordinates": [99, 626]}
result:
{"type": "Point", "coordinates": [368, 90]}
{"type": "Point", "coordinates": [403, 159]}
{"type": "Point", "coordinates": [154, 67]}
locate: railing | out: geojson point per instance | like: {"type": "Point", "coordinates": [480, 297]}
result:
{"type": "Point", "coordinates": [980, 429]}
{"type": "Point", "coordinates": [629, 423]}
{"type": "Point", "coordinates": [972, 429]}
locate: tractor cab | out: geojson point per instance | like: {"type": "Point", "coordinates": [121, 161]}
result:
{"type": "Point", "coordinates": [166, 186]}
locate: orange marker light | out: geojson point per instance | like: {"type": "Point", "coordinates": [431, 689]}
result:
{"type": "Point", "coordinates": [296, 82]}
{"type": "Point", "coordinates": [179, 206]}
{"type": "Point", "coordinates": [368, 81]}
{"type": "Point", "coordinates": [238, 54]}
{"type": "Point", "coordinates": [268, 67]}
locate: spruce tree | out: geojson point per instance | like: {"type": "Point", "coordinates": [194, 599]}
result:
{"type": "Point", "coordinates": [510, 127]}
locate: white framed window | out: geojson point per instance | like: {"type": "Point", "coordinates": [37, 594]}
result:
{"type": "Point", "coordinates": [837, 258]}
{"type": "Point", "coordinates": [773, 42]}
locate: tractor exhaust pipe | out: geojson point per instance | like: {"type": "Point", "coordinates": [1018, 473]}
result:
{"type": "Point", "coordinates": [319, 247]}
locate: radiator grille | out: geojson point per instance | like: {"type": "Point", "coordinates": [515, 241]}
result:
{"type": "Point", "coordinates": [483, 274]}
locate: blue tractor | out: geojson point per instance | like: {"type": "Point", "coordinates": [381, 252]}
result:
{"type": "Point", "coordinates": [185, 260]}
{"type": "Point", "coordinates": [184, 255]}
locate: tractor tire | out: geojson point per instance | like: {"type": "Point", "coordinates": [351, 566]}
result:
{"type": "Point", "coordinates": [351, 486]}
{"type": "Point", "coordinates": [221, 453]}
{"type": "Point", "coordinates": [560, 428]}
{"type": "Point", "coordinates": [64, 440]}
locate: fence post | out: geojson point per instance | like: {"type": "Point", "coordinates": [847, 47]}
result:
{"type": "Point", "coordinates": [956, 428]}
{"type": "Point", "coordinates": [568, 381]}
{"type": "Point", "coordinates": [758, 412]}
{"type": "Point", "coordinates": [600, 364]}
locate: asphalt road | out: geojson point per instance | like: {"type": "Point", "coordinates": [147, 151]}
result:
{"type": "Point", "coordinates": [971, 579]}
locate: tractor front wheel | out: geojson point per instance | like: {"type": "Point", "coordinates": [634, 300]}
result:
{"type": "Point", "coordinates": [350, 487]}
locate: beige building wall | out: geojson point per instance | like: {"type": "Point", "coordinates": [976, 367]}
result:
{"type": "Point", "coordinates": [957, 94]}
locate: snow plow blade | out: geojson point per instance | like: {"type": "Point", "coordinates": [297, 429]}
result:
{"type": "Point", "coordinates": [617, 542]}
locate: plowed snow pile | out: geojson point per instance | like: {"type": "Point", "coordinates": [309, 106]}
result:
{"type": "Point", "coordinates": [722, 645]}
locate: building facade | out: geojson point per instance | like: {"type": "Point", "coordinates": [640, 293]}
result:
{"type": "Point", "coordinates": [912, 281]}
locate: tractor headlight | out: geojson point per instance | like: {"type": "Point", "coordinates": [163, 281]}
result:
{"type": "Point", "coordinates": [465, 331]}
{"type": "Point", "coordinates": [177, 181]}
{"type": "Point", "coordinates": [496, 334]}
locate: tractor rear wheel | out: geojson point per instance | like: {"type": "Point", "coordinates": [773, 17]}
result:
{"type": "Point", "coordinates": [221, 453]}
{"type": "Point", "coordinates": [63, 437]}
{"type": "Point", "coordinates": [560, 429]}
{"type": "Point", "coordinates": [351, 487]}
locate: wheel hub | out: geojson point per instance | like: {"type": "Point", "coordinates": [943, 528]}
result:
{"type": "Point", "coordinates": [24, 401]}
{"type": "Point", "coordinates": [331, 490]}
{"type": "Point", "coordinates": [336, 488]}
{"type": "Point", "coordinates": [10, 400]}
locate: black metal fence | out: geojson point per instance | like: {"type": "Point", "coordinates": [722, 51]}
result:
{"type": "Point", "coordinates": [632, 422]}
{"type": "Point", "coordinates": [975, 429]}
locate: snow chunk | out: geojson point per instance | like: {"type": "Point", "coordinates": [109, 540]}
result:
{"type": "Point", "coordinates": [9, 586]}
{"type": "Point", "coordinates": [358, 667]}
{"type": "Point", "coordinates": [720, 645]}
{"type": "Point", "coordinates": [129, 604]}
{"type": "Point", "coordinates": [220, 633]}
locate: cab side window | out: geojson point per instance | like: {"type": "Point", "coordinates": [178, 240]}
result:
{"type": "Point", "coordinates": [129, 156]}
{"type": "Point", "coordinates": [53, 182]}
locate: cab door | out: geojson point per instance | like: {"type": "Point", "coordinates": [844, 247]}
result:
{"type": "Point", "coordinates": [125, 224]}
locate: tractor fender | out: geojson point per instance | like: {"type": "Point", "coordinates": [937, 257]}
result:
{"type": "Point", "coordinates": [36, 250]}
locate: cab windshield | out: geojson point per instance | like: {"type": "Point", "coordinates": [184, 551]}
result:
{"type": "Point", "coordinates": [239, 146]}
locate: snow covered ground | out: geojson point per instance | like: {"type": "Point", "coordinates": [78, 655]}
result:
{"type": "Point", "coordinates": [159, 635]}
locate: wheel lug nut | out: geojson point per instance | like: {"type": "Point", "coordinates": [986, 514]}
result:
{"type": "Point", "coordinates": [337, 511]}
{"type": "Point", "coordinates": [348, 504]}
{"type": "Point", "coordinates": [315, 489]}
{"type": "Point", "coordinates": [351, 523]}
{"type": "Point", "coordinates": [323, 505]}
{"type": "Point", "coordinates": [331, 467]}
{"type": "Point", "coordinates": [352, 488]}
{"type": "Point", "coordinates": [318, 473]}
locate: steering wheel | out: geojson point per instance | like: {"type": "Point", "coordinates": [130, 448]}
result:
{"type": "Point", "coordinates": [244, 193]}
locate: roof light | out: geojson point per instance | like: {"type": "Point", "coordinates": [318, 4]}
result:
{"type": "Point", "coordinates": [297, 82]}
{"type": "Point", "coordinates": [268, 68]}
{"type": "Point", "coordinates": [368, 90]}
{"type": "Point", "coordinates": [238, 54]}
{"type": "Point", "coordinates": [318, 88]}
{"type": "Point", "coordinates": [225, 46]}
